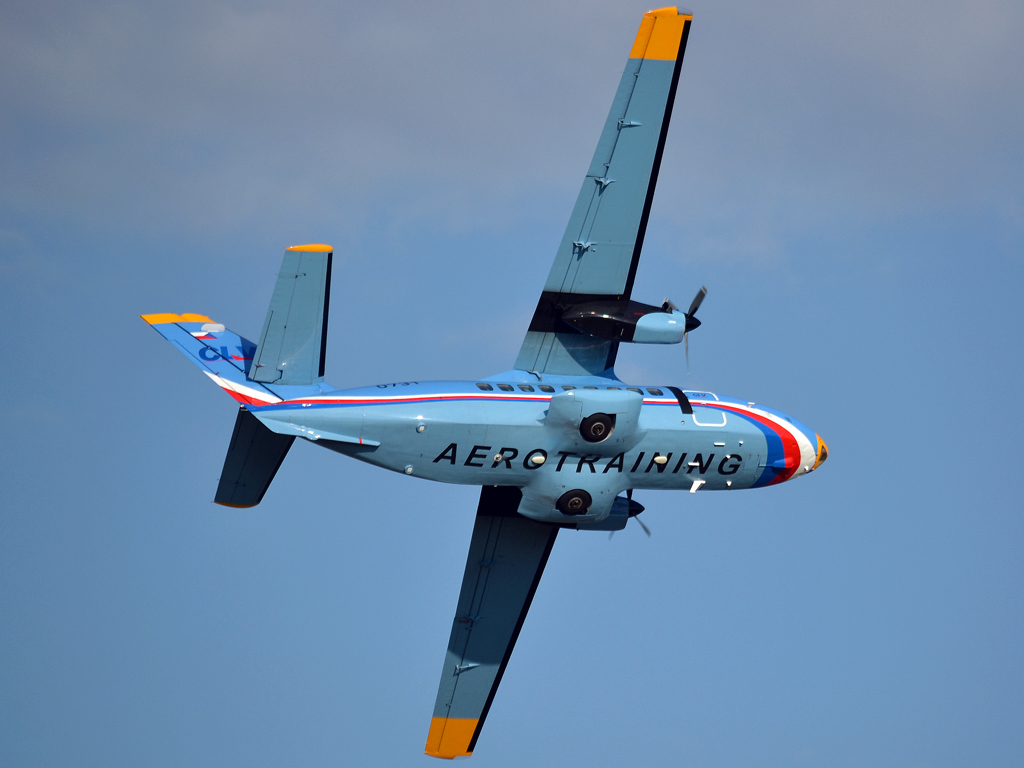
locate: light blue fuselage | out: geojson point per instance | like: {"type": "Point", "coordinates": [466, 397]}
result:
{"type": "Point", "coordinates": [463, 432]}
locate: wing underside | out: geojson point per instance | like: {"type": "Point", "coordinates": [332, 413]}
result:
{"type": "Point", "coordinates": [599, 253]}
{"type": "Point", "coordinates": [507, 555]}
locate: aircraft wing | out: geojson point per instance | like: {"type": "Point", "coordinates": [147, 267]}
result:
{"type": "Point", "coordinates": [600, 250]}
{"type": "Point", "coordinates": [507, 555]}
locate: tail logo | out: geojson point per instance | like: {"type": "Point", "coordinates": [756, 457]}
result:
{"type": "Point", "coordinates": [209, 354]}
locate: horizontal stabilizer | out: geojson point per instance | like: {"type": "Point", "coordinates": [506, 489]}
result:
{"type": "Point", "coordinates": [254, 456]}
{"type": "Point", "coordinates": [222, 354]}
{"type": "Point", "coordinates": [293, 344]}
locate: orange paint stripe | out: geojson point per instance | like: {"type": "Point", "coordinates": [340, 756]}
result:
{"type": "Point", "coordinates": [312, 247]}
{"type": "Point", "coordinates": [660, 34]}
{"type": "Point", "coordinates": [449, 737]}
{"type": "Point", "coordinates": [167, 317]}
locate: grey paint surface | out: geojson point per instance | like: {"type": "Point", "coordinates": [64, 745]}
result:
{"type": "Point", "coordinates": [289, 349]}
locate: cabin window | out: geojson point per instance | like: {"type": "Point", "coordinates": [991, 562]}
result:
{"type": "Point", "coordinates": [590, 387]}
{"type": "Point", "coordinates": [546, 388]}
{"type": "Point", "coordinates": [526, 388]}
{"type": "Point", "coordinates": [635, 389]}
{"type": "Point", "coordinates": [485, 387]}
{"type": "Point", "coordinates": [614, 387]}
{"type": "Point", "coordinates": [567, 387]}
{"type": "Point", "coordinates": [655, 392]}
{"type": "Point", "coordinates": [506, 388]}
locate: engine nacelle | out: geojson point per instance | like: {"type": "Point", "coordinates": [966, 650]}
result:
{"type": "Point", "coordinates": [630, 321]}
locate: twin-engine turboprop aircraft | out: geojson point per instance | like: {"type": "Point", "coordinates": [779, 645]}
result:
{"type": "Point", "coordinates": [556, 441]}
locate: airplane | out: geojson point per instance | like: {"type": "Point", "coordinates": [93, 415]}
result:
{"type": "Point", "coordinates": [558, 441]}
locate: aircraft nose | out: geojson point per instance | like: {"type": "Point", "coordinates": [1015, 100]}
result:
{"type": "Point", "coordinates": [822, 452]}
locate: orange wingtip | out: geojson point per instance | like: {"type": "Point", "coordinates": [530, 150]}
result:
{"type": "Point", "coordinates": [449, 737]}
{"type": "Point", "coordinates": [314, 247]}
{"type": "Point", "coordinates": [168, 317]}
{"type": "Point", "coordinates": [660, 33]}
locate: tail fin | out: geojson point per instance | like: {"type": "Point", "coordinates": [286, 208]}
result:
{"type": "Point", "coordinates": [288, 362]}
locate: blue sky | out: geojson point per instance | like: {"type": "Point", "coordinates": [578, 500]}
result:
{"type": "Point", "coordinates": [848, 181]}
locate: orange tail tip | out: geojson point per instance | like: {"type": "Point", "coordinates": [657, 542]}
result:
{"type": "Point", "coordinates": [312, 248]}
{"type": "Point", "coordinates": [449, 737]}
{"type": "Point", "coordinates": [660, 33]}
{"type": "Point", "coordinates": [168, 317]}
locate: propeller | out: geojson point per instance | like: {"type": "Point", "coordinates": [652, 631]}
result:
{"type": "Point", "coordinates": [629, 495]}
{"type": "Point", "coordinates": [692, 323]}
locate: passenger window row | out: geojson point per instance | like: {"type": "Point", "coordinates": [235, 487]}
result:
{"type": "Point", "coordinates": [567, 387]}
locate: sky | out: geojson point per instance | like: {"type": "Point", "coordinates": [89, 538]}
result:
{"type": "Point", "coordinates": [847, 180]}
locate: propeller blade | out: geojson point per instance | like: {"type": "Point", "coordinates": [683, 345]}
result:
{"type": "Point", "coordinates": [669, 306]}
{"type": "Point", "coordinates": [646, 529]}
{"type": "Point", "coordinates": [695, 304]}
{"type": "Point", "coordinates": [686, 343]}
